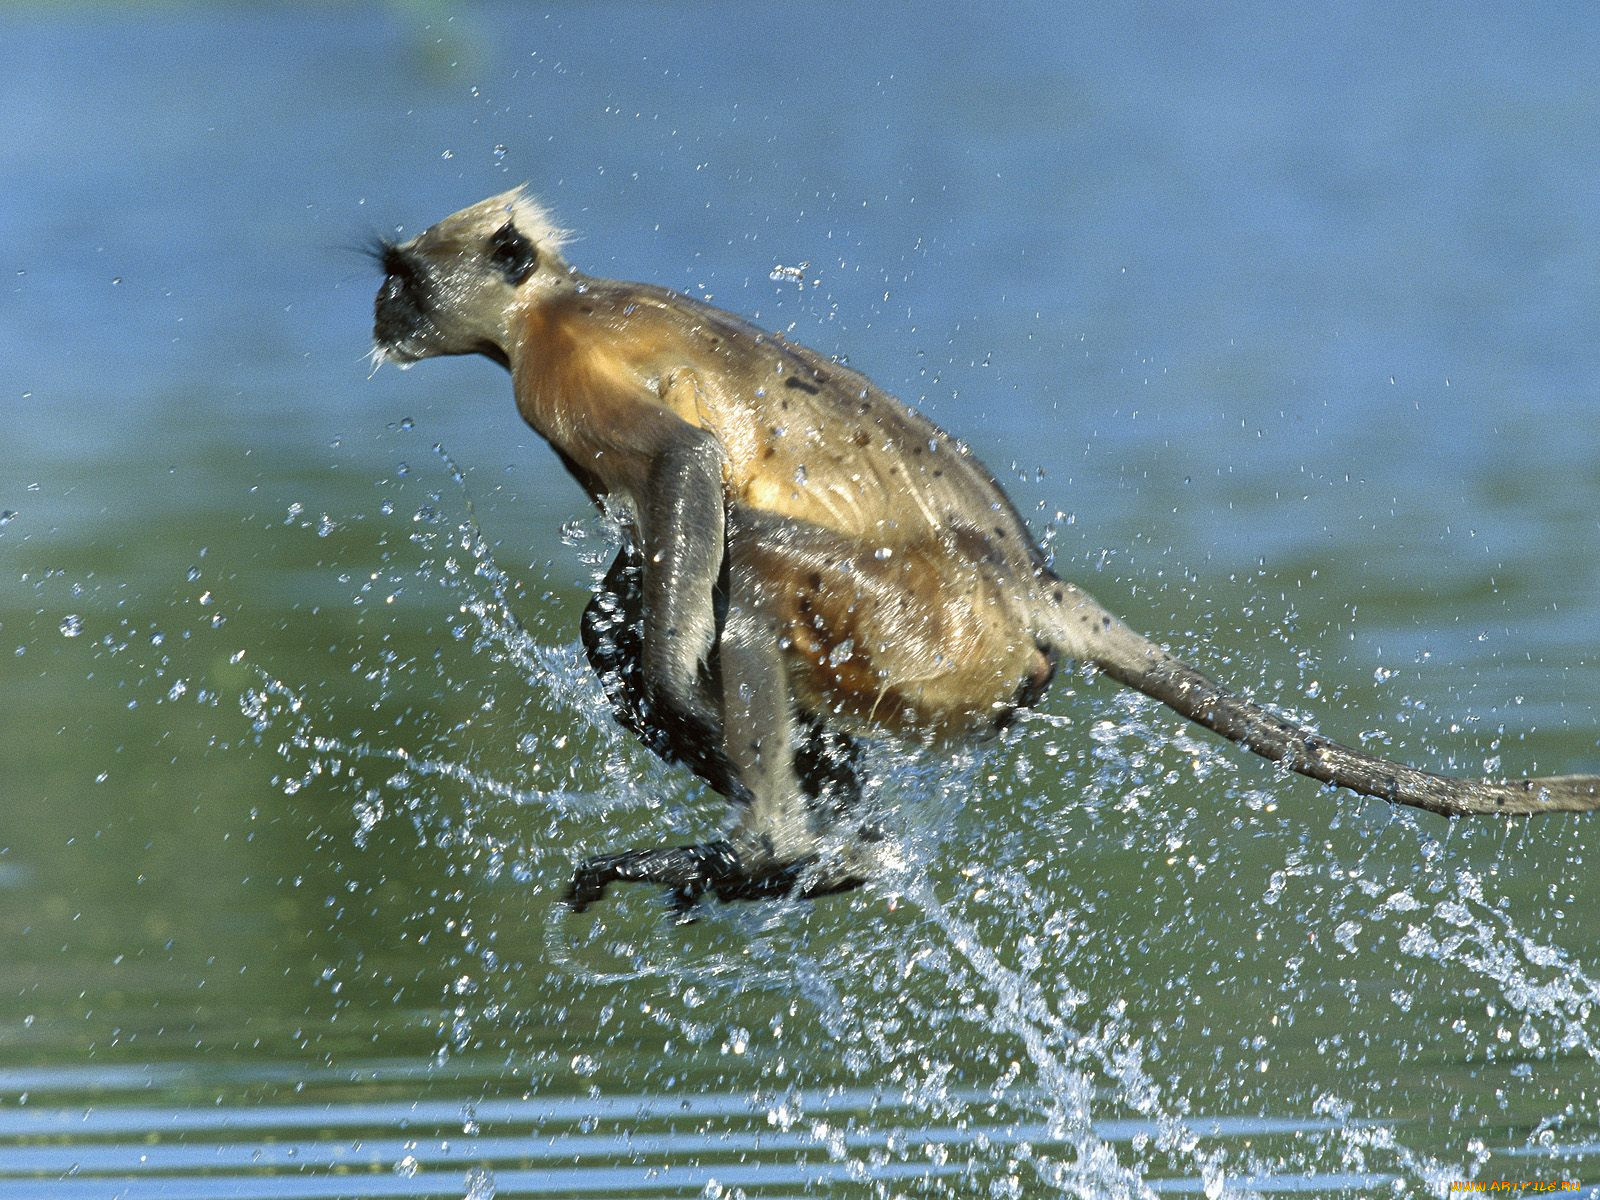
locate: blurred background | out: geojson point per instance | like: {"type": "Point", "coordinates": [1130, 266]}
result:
{"type": "Point", "coordinates": [1279, 325]}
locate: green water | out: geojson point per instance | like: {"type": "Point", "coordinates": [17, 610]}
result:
{"type": "Point", "coordinates": [1281, 326]}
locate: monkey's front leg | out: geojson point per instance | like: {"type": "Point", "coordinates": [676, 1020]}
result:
{"type": "Point", "coordinates": [683, 532]}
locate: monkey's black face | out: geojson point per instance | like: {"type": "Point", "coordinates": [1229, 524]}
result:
{"type": "Point", "coordinates": [402, 328]}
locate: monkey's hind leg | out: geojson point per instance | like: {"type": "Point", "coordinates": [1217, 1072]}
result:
{"type": "Point", "coordinates": [797, 776]}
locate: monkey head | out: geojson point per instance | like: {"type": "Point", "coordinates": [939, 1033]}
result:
{"type": "Point", "coordinates": [451, 289]}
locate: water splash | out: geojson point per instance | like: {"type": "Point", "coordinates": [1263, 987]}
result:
{"type": "Point", "coordinates": [988, 968]}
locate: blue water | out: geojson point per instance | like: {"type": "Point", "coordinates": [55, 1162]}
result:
{"type": "Point", "coordinates": [1278, 323]}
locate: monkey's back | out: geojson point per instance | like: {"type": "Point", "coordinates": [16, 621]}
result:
{"type": "Point", "coordinates": [813, 440]}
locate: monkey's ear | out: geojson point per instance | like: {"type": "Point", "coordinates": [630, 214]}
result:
{"type": "Point", "coordinates": [513, 255]}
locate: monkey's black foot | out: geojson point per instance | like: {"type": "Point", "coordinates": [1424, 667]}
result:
{"type": "Point", "coordinates": [688, 870]}
{"type": "Point", "coordinates": [692, 871]}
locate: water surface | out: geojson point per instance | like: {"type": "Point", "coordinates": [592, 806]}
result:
{"type": "Point", "coordinates": [1280, 328]}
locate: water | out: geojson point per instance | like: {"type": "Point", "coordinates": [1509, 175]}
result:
{"type": "Point", "coordinates": [1279, 325]}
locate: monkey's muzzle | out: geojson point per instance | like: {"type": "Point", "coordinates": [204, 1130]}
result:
{"type": "Point", "coordinates": [399, 324]}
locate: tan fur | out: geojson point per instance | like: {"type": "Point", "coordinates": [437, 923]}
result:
{"type": "Point", "coordinates": [919, 584]}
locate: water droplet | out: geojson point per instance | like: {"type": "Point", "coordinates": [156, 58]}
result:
{"type": "Point", "coordinates": [1346, 933]}
{"type": "Point", "coordinates": [71, 625]}
{"type": "Point", "coordinates": [800, 474]}
{"type": "Point", "coordinates": [883, 553]}
{"type": "Point", "coordinates": [8, 516]}
{"type": "Point", "coordinates": [480, 1184]}
{"type": "Point", "coordinates": [407, 423]}
{"type": "Point", "coordinates": [407, 1166]}
{"type": "Point", "coordinates": [500, 153]}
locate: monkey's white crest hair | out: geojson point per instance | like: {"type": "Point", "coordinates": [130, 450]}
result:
{"type": "Point", "coordinates": [531, 218]}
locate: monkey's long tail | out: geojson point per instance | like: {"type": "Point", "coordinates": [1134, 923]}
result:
{"type": "Point", "coordinates": [1086, 631]}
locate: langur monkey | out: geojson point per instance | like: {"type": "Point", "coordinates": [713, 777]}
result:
{"type": "Point", "coordinates": [806, 562]}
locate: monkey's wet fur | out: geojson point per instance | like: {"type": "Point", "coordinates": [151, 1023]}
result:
{"type": "Point", "coordinates": [806, 562]}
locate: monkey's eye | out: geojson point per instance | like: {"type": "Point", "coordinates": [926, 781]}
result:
{"type": "Point", "coordinates": [513, 255]}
